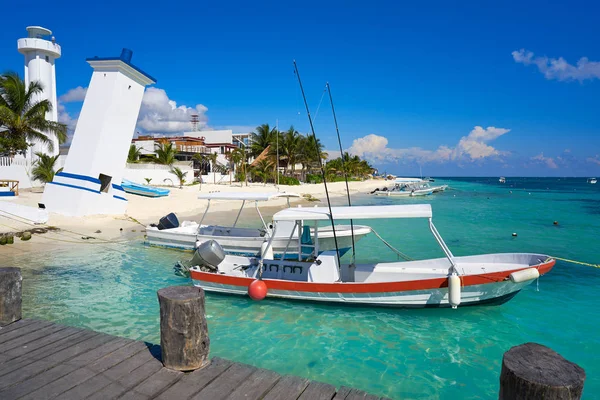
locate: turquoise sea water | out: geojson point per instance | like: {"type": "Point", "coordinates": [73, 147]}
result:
{"type": "Point", "coordinates": [408, 354]}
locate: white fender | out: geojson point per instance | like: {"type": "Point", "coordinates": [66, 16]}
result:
{"type": "Point", "coordinates": [454, 290]}
{"type": "Point", "coordinates": [524, 275]}
{"type": "Point", "coordinates": [266, 251]}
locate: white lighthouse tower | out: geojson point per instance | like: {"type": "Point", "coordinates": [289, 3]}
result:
{"type": "Point", "coordinates": [90, 182]}
{"type": "Point", "coordinates": [40, 55]}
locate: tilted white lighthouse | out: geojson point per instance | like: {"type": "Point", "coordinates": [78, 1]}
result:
{"type": "Point", "coordinates": [40, 55]}
{"type": "Point", "coordinates": [90, 182]}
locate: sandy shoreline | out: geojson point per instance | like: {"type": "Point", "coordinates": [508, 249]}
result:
{"type": "Point", "coordinates": [142, 211]}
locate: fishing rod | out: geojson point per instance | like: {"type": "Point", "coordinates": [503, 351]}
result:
{"type": "Point", "coordinates": [343, 168]}
{"type": "Point", "coordinates": [312, 128]}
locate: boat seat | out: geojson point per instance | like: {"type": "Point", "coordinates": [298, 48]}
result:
{"type": "Point", "coordinates": [325, 268]}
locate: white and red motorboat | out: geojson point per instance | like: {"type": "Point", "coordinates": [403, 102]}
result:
{"type": "Point", "coordinates": [441, 282]}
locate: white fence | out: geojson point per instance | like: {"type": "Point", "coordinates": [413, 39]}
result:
{"type": "Point", "coordinates": [159, 174]}
{"type": "Point", "coordinates": [8, 162]}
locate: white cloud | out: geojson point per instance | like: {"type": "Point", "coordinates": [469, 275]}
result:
{"type": "Point", "coordinates": [559, 68]}
{"type": "Point", "coordinates": [594, 160]}
{"type": "Point", "coordinates": [469, 148]}
{"type": "Point", "coordinates": [73, 95]}
{"type": "Point", "coordinates": [159, 114]}
{"type": "Point", "coordinates": [548, 161]}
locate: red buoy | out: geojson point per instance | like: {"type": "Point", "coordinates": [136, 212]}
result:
{"type": "Point", "coordinates": [257, 290]}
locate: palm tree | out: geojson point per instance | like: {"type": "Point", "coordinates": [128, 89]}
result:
{"type": "Point", "coordinates": [43, 169]}
{"type": "Point", "coordinates": [240, 158]}
{"type": "Point", "coordinates": [261, 139]}
{"type": "Point", "coordinates": [179, 174]}
{"type": "Point", "coordinates": [264, 169]}
{"type": "Point", "coordinates": [165, 153]}
{"type": "Point", "coordinates": [23, 118]}
{"type": "Point", "coordinates": [290, 147]}
{"type": "Point", "coordinates": [134, 154]}
{"type": "Point", "coordinates": [212, 157]}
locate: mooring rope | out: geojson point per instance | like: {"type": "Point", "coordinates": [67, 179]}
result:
{"type": "Point", "coordinates": [577, 262]}
{"type": "Point", "coordinates": [398, 252]}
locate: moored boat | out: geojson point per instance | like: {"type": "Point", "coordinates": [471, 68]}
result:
{"type": "Point", "coordinates": [592, 180]}
{"type": "Point", "coordinates": [143, 190]}
{"type": "Point", "coordinates": [440, 282]}
{"type": "Point", "coordinates": [247, 241]}
{"type": "Point", "coordinates": [502, 179]}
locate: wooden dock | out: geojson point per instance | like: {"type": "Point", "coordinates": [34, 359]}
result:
{"type": "Point", "coordinates": [44, 360]}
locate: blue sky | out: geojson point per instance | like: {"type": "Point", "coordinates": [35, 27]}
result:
{"type": "Point", "coordinates": [435, 84]}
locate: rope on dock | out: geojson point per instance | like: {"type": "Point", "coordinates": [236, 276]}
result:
{"type": "Point", "coordinates": [577, 262]}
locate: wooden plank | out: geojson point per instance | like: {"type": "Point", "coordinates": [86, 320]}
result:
{"type": "Point", "coordinates": [288, 387]}
{"type": "Point", "coordinates": [50, 339]}
{"type": "Point", "coordinates": [112, 346]}
{"type": "Point", "coordinates": [46, 374]}
{"type": "Point", "coordinates": [226, 383]}
{"type": "Point", "coordinates": [155, 384]}
{"type": "Point", "coordinates": [49, 369]}
{"type": "Point", "coordinates": [129, 380]}
{"type": "Point", "coordinates": [26, 338]}
{"type": "Point", "coordinates": [138, 359]}
{"type": "Point", "coordinates": [191, 383]}
{"type": "Point", "coordinates": [62, 384]}
{"type": "Point", "coordinates": [318, 391]}
{"type": "Point", "coordinates": [55, 359]}
{"type": "Point", "coordinates": [27, 329]}
{"type": "Point", "coordinates": [255, 386]}
{"type": "Point", "coordinates": [34, 355]}
{"type": "Point", "coordinates": [86, 389]}
{"type": "Point", "coordinates": [16, 325]}
{"type": "Point", "coordinates": [116, 358]}
{"type": "Point", "coordinates": [346, 393]}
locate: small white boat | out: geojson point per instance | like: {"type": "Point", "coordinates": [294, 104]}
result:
{"type": "Point", "coordinates": [247, 241]}
{"type": "Point", "coordinates": [440, 282]}
{"type": "Point", "coordinates": [502, 179]}
{"type": "Point", "coordinates": [405, 187]}
{"type": "Point", "coordinates": [592, 181]}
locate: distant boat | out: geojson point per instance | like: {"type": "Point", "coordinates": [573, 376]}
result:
{"type": "Point", "coordinates": [143, 190]}
{"type": "Point", "coordinates": [592, 180]}
{"type": "Point", "coordinates": [502, 179]}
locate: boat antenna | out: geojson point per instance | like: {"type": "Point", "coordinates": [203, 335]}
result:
{"type": "Point", "coordinates": [277, 162]}
{"type": "Point", "coordinates": [343, 167]}
{"type": "Point", "coordinates": [312, 129]}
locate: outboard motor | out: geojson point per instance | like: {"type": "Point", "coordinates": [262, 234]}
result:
{"type": "Point", "coordinates": [207, 256]}
{"type": "Point", "coordinates": [169, 221]}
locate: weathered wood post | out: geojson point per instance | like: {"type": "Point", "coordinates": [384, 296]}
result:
{"type": "Point", "coordinates": [184, 338]}
{"type": "Point", "coordinates": [533, 371]}
{"type": "Point", "coordinates": [10, 295]}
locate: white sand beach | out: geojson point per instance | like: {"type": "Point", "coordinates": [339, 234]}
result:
{"type": "Point", "coordinates": [142, 211]}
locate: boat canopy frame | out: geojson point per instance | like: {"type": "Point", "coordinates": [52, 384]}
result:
{"type": "Point", "coordinates": [315, 214]}
{"type": "Point", "coordinates": [256, 197]}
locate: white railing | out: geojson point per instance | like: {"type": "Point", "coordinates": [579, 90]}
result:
{"type": "Point", "coordinates": [159, 166]}
{"type": "Point", "coordinates": [8, 161]}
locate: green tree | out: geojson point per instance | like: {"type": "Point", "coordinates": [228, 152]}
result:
{"type": "Point", "coordinates": [290, 147]}
{"type": "Point", "coordinates": [261, 139]}
{"type": "Point", "coordinates": [212, 157]}
{"type": "Point", "coordinates": [239, 156]}
{"type": "Point", "coordinates": [165, 153]}
{"type": "Point", "coordinates": [23, 119]}
{"type": "Point", "coordinates": [179, 174]}
{"type": "Point", "coordinates": [134, 154]}
{"type": "Point", "coordinates": [43, 169]}
{"type": "Point", "coordinates": [264, 169]}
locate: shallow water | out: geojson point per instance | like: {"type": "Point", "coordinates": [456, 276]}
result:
{"type": "Point", "coordinates": [409, 354]}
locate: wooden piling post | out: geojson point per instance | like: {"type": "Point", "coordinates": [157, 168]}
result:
{"type": "Point", "coordinates": [184, 337]}
{"type": "Point", "coordinates": [10, 295]}
{"type": "Point", "coordinates": [532, 371]}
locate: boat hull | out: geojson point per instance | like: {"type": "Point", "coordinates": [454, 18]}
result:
{"type": "Point", "coordinates": [486, 288]}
